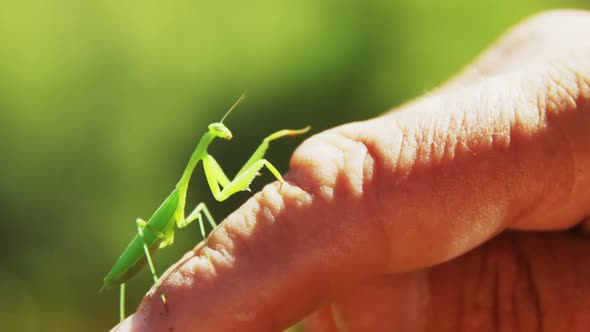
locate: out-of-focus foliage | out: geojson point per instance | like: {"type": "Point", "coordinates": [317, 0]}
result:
{"type": "Point", "coordinates": [102, 102]}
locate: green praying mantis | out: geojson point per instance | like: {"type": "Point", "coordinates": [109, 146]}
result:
{"type": "Point", "coordinates": [158, 231]}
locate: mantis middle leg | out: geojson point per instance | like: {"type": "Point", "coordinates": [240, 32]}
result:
{"type": "Point", "coordinates": [197, 213]}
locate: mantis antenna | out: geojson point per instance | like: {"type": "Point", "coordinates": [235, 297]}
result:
{"type": "Point", "coordinates": [233, 106]}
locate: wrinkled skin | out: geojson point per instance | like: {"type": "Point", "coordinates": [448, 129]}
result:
{"type": "Point", "coordinates": [460, 211]}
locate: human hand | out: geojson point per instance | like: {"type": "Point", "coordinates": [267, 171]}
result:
{"type": "Point", "coordinates": [393, 224]}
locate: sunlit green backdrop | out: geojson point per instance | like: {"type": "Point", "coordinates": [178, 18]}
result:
{"type": "Point", "coordinates": [102, 102]}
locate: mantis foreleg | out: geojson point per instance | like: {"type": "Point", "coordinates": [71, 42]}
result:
{"type": "Point", "coordinates": [261, 150]}
{"type": "Point", "coordinates": [215, 175]}
{"type": "Point", "coordinates": [242, 181]}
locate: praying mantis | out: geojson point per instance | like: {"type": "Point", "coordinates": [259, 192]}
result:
{"type": "Point", "coordinates": [158, 231]}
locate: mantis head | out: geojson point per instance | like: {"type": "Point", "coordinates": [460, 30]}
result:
{"type": "Point", "coordinates": [220, 130]}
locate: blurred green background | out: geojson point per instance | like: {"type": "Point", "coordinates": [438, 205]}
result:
{"type": "Point", "coordinates": [102, 103]}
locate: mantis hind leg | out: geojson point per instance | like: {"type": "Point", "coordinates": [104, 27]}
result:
{"type": "Point", "coordinates": [141, 224]}
{"type": "Point", "coordinates": [122, 302]}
